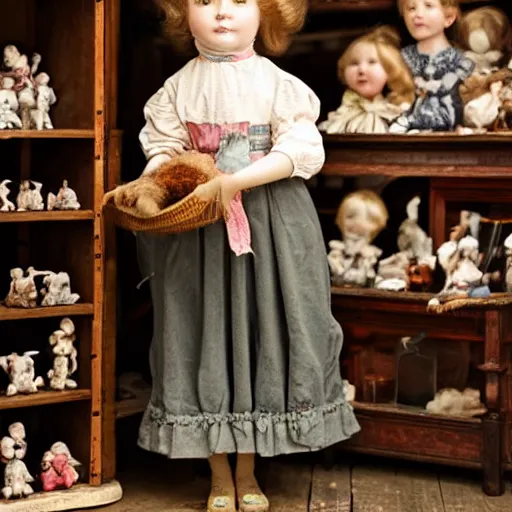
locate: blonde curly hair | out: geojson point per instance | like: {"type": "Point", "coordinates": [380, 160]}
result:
{"type": "Point", "coordinates": [280, 19]}
{"type": "Point", "coordinates": [387, 43]}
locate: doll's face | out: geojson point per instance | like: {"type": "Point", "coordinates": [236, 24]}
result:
{"type": "Point", "coordinates": [358, 221]}
{"type": "Point", "coordinates": [364, 73]}
{"type": "Point", "coordinates": [224, 26]}
{"type": "Point", "coordinates": [427, 19]}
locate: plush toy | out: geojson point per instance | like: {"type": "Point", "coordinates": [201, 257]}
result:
{"type": "Point", "coordinates": [379, 85]}
{"type": "Point", "coordinates": [485, 36]}
{"type": "Point", "coordinates": [172, 181]}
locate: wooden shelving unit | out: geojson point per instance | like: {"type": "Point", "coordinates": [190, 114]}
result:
{"type": "Point", "coordinates": [71, 38]}
{"type": "Point", "coordinates": [461, 170]}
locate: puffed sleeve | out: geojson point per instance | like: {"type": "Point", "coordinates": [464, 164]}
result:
{"type": "Point", "coordinates": [293, 123]}
{"type": "Point", "coordinates": [164, 133]}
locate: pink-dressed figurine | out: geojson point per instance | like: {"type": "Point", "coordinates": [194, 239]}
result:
{"type": "Point", "coordinates": [58, 468]}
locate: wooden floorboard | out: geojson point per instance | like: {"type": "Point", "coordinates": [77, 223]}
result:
{"type": "Point", "coordinates": [374, 490]}
{"type": "Point", "coordinates": [464, 494]}
{"type": "Point", "coordinates": [418, 491]}
{"type": "Point", "coordinates": [286, 482]}
{"type": "Point", "coordinates": [330, 489]}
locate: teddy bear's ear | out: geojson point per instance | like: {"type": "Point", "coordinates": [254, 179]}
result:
{"type": "Point", "coordinates": [67, 326]}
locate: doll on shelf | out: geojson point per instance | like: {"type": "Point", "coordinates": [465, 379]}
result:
{"type": "Point", "coordinates": [379, 85]}
{"type": "Point", "coordinates": [263, 281]}
{"type": "Point", "coordinates": [361, 216]}
{"type": "Point", "coordinates": [438, 67]}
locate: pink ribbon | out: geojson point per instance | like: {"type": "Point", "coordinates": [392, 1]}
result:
{"type": "Point", "coordinates": [237, 225]}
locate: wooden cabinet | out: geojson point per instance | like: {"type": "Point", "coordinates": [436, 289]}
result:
{"type": "Point", "coordinates": [473, 345]}
{"type": "Point", "coordinates": [70, 36]}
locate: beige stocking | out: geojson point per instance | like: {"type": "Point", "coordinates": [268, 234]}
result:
{"type": "Point", "coordinates": [222, 492]}
{"type": "Point", "coordinates": [250, 497]}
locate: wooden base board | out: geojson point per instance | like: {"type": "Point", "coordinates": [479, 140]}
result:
{"type": "Point", "coordinates": [78, 497]}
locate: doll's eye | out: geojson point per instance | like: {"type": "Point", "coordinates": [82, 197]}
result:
{"type": "Point", "coordinates": [203, 2]}
{"type": "Point", "coordinates": [373, 61]}
{"type": "Point", "coordinates": [240, 1]}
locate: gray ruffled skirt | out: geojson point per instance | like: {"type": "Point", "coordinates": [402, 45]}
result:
{"type": "Point", "coordinates": [245, 353]}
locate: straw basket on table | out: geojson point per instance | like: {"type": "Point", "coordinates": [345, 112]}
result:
{"type": "Point", "coordinates": [186, 214]}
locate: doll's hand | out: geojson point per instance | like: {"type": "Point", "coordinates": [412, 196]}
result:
{"type": "Point", "coordinates": [228, 190]}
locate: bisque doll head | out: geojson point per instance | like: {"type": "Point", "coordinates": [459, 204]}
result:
{"type": "Point", "coordinates": [372, 62]}
{"type": "Point", "coordinates": [429, 19]}
{"type": "Point", "coordinates": [362, 214]}
{"type": "Point", "coordinates": [270, 22]}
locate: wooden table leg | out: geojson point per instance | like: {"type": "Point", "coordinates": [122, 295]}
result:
{"type": "Point", "coordinates": [493, 423]}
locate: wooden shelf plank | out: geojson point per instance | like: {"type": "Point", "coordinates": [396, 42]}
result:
{"type": "Point", "coordinates": [374, 293]}
{"type": "Point", "coordinates": [364, 5]}
{"type": "Point", "coordinates": [54, 215]}
{"type": "Point", "coordinates": [438, 138]}
{"type": "Point", "coordinates": [410, 412]}
{"type": "Point", "coordinates": [47, 134]}
{"type": "Point", "coordinates": [45, 312]}
{"type": "Point", "coordinates": [132, 406]}
{"type": "Point", "coordinates": [43, 398]}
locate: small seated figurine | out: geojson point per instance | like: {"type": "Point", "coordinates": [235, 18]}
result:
{"type": "Point", "coordinates": [6, 205]}
{"type": "Point", "coordinates": [371, 64]}
{"type": "Point", "coordinates": [360, 218]}
{"type": "Point", "coordinates": [414, 259]}
{"type": "Point", "coordinates": [13, 448]}
{"type": "Point", "coordinates": [64, 362]}
{"type": "Point", "coordinates": [438, 67]}
{"type": "Point", "coordinates": [21, 373]}
{"type": "Point", "coordinates": [464, 279]}
{"type": "Point", "coordinates": [29, 199]}
{"type": "Point", "coordinates": [57, 290]}
{"type": "Point", "coordinates": [58, 468]}
{"type": "Point", "coordinates": [22, 291]}
{"type": "Point", "coordinates": [66, 199]}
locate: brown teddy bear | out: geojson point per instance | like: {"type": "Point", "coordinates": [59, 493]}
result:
{"type": "Point", "coordinates": [168, 184]}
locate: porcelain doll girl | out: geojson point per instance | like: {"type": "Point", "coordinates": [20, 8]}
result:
{"type": "Point", "coordinates": [438, 68]}
{"type": "Point", "coordinates": [379, 85]}
{"type": "Point", "coordinates": [245, 355]}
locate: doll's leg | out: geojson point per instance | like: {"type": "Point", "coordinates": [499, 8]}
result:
{"type": "Point", "coordinates": [222, 492]}
{"type": "Point", "coordinates": [250, 497]}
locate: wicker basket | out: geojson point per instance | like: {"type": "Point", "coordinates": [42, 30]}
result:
{"type": "Point", "coordinates": [186, 215]}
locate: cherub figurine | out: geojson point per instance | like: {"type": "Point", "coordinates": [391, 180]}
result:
{"type": "Point", "coordinates": [21, 373]}
{"type": "Point", "coordinates": [361, 216]}
{"type": "Point", "coordinates": [29, 199]}
{"type": "Point", "coordinates": [6, 205]}
{"type": "Point", "coordinates": [13, 448]}
{"type": "Point", "coordinates": [18, 66]}
{"type": "Point", "coordinates": [64, 363]}
{"type": "Point", "coordinates": [22, 291]}
{"type": "Point", "coordinates": [58, 468]}
{"type": "Point", "coordinates": [9, 103]}
{"type": "Point", "coordinates": [45, 98]}
{"type": "Point", "coordinates": [66, 199]}
{"type": "Point", "coordinates": [23, 74]}
{"type": "Point", "coordinates": [57, 290]}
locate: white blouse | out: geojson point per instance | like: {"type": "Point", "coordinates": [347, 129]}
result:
{"type": "Point", "coordinates": [251, 91]}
